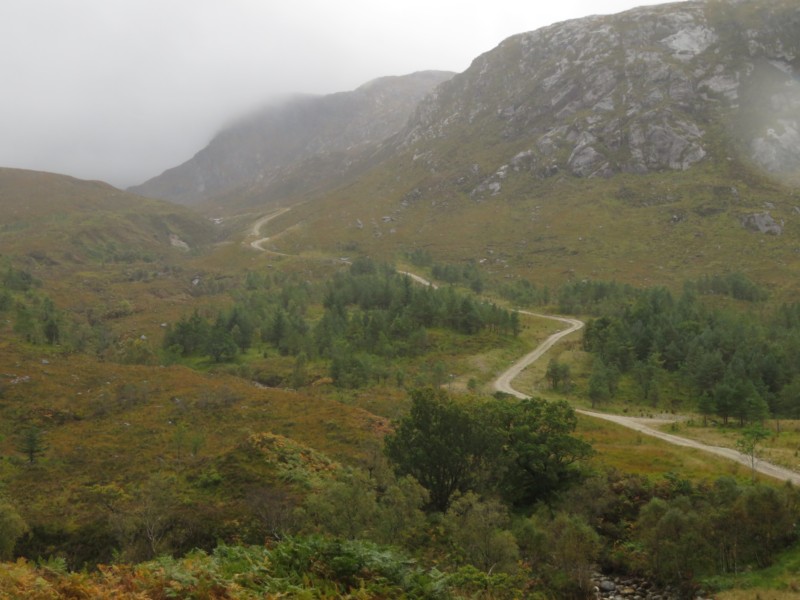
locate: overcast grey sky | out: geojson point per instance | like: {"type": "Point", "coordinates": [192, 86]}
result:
{"type": "Point", "coordinates": [121, 90]}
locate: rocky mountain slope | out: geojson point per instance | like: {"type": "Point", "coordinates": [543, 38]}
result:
{"type": "Point", "coordinates": [655, 88]}
{"type": "Point", "coordinates": [656, 144]}
{"type": "Point", "coordinates": [264, 149]}
{"type": "Point", "coordinates": [650, 145]}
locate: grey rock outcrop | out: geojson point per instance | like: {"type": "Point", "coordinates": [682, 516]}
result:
{"type": "Point", "coordinates": [645, 90]}
{"type": "Point", "coordinates": [762, 223]}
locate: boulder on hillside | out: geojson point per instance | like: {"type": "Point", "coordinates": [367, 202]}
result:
{"type": "Point", "coordinates": [763, 223]}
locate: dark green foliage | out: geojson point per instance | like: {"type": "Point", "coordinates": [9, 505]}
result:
{"type": "Point", "coordinates": [18, 280]}
{"type": "Point", "coordinates": [36, 319]}
{"type": "Point", "coordinates": [380, 508]}
{"type": "Point", "coordinates": [221, 344]}
{"type": "Point", "coordinates": [672, 537]}
{"type": "Point", "coordinates": [372, 315]}
{"type": "Point", "coordinates": [602, 382]}
{"type": "Point", "coordinates": [788, 399]}
{"type": "Point", "coordinates": [350, 369]}
{"type": "Point", "coordinates": [111, 252]}
{"type": "Point", "coordinates": [720, 529]}
{"type": "Point", "coordinates": [735, 285]}
{"type": "Point", "coordinates": [565, 549]}
{"type": "Point", "coordinates": [647, 374]}
{"type": "Point", "coordinates": [749, 444]}
{"type": "Point", "coordinates": [736, 363]}
{"type": "Point", "coordinates": [25, 323]}
{"type": "Point", "coordinates": [536, 451]}
{"type": "Point", "coordinates": [674, 531]}
{"type": "Point", "coordinates": [593, 297]}
{"type": "Point", "coordinates": [420, 257]}
{"type": "Point", "coordinates": [12, 527]}
{"type": "Point", "coordinates": [479, 529]}
{"type": "Point", "coordinates": [300, 371]}
{"type": "Point", "coordinates": [406, 306]}
{"type": "Point", "coordinates": [468, 275]}
{"type": "Point", "coordinates": [6, 300]}
{"type": "Point", "coordinates": [524, 293]}
{"type": "Point", "coordinates": [31, 443]}
{"type": "Point", "coordinates": [330, 567]}
{"type": "Point", "coordinates": [608, 338]}
{"type": "Point", "coordinates": [524, 451]}
{"type": "Point", "coordinates": [190, 335]}
{"type": "Point", "coordinates": [441, 445]}
{"type": "Point", "coordinates": [558, 374]}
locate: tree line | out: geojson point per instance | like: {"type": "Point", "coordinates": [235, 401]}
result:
{"type": "Point", "coordinates": [738, 365]}
{"type": "Point", "coordinates": [370, 314]}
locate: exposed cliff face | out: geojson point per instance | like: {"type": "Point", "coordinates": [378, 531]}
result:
{"type": "Point", "coordinates": [260, 150]}
{"type": "Point", "coordinates": [646, 90]}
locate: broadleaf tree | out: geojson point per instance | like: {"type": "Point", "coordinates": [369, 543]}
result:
{"type": "Point", "coordinates": [441, 445]}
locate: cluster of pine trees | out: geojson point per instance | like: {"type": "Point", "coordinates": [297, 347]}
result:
{"type": "Point", "coordinates": [371, 314]}
{"type": "Point", "coordinates": [739, 366]}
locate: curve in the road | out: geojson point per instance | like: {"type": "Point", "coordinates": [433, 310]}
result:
{"type": "Point", "coordinates": [256, 230]}
{"type": "Point", "coordinates": [503, 384]}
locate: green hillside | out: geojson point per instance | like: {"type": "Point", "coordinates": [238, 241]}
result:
{"type": "Point", "coordinates": [230, 396]}
{"type": "Point", "coordinates": [601, 148]}
{"type": "Point", "coordinates": [71, 220]}
{"type": "Point", "coordinates": [643, 230]}
{"type": "Point", "coordinates": [270, 405]}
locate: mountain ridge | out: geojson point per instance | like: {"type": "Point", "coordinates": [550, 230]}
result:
{"type": "Point", "coordinates": [547, 154]}
{"type": "Point", "coordinates": [262, 149]}
{"type": "Point", "coordinates": [653, 88]}
{"type": "Point", "coordinates": [632, 92]}
{"type": "Point", "coordinates": [675, 121]}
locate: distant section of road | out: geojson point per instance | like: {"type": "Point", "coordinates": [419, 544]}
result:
{"type": "Point", "coordinates": [641, 426]}
{"type": "Point", "coordinates": [419, 279]}
{"type": "Point", "coordinates": [256, 230]}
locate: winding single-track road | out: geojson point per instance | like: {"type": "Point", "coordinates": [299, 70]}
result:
{"type": "Point", "coordinates": [256, 230]}
{"type": "Point", "coordinates": [505, 379]}
{"type": "Point", "coordinates": [503, 384]}
{"type": "Point", "coordinates": [418, 279]}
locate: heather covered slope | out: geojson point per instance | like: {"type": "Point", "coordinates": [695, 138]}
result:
{"type": "Point", "coordinates": [75, 220]}
{"type": "Point", "coordinates": [160, 393]}
{"type": "Point", "coordinates": [113, 261]}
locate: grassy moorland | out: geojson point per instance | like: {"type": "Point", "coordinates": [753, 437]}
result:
{"type": "Point", "coordinates": [130, 434]}
{"type": "Point", "coordinates": [659, 229]}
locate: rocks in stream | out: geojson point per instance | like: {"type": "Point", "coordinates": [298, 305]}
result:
{"type": "Point", "coordinates": [633, 588]}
